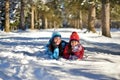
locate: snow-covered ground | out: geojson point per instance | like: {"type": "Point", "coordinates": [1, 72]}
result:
{"type": "Point", "coordinates": [22, 56]}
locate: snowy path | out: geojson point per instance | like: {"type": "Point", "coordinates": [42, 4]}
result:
{"type": "Point", "coordinates": [22, 58]}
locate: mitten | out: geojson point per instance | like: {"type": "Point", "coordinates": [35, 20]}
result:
{"type": "Point", "coordinates": [55, 54]}
{"type": "Point", "coordinates": [77, 48]}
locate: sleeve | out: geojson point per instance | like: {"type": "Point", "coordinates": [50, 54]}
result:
{"type": "Point", "coordinates": [48, 51]}
{"type": "Point", "coordinates": [80, 52]}
{"type": "Point", "coordinates": [47, 45]}
{"type": "Point", "coordinates": [66, 55]}
{"type": "Point", "coordinates": [64, 43]}
{"type": "Point", "coordinates": [55, 54]}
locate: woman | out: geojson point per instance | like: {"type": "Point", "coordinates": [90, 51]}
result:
{"type": "Point", "coordinates": [74, 50]}
{"type": "Point", "coordinates": [56, 46]}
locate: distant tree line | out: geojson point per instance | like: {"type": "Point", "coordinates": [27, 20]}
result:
{"type": "Point", "coordinates": [44, 14]}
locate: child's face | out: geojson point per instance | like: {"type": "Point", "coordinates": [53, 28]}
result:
{"type": "Point", "coordinates": [74, 43]}
{"type": "Point", "coordinates": [57, 40]}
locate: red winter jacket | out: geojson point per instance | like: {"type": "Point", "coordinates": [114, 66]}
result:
{"type": "Point", "coordinates": [79, 53]}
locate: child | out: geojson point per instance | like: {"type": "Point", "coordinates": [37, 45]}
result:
{"type": "Point", "coordinates": [55, 46]}
{"type": "Point", "coordinates": [74, 50]}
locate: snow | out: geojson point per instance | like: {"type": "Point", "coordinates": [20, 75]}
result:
{"type": "Point", "coordinates": [22, 56]}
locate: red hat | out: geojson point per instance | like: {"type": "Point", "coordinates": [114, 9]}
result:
{"type": "Point", "coordinates": [74, 36]}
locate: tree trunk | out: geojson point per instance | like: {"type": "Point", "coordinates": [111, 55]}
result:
{"type": "Point", "coordinates": [106, 18]}
{"type": "Point", "coordinates": [76, 23]}
{"type": "Point", "coordinates": [7, 20]}
{"type": "Point", "coordinates": [50, 24]}
{"type": "Point", "coordinates": [22, 17]}
{"type": "Point", "coordinates": [80, 20]}
{"type": "Point", "coordinates": [91, 17]}
{"type": "Point", "coordinates": [74, 20]}
{"type": "Point", "coordinates": [36, 18]}
{"type": "Point", "coordinates": [46, 23]}
{"type": "Point", "coordinates": [32, 16]}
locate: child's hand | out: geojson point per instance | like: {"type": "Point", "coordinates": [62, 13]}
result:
{"type": "Point", "coordinates": [77, 48]}
{"type": "Point", "coordinates": [55, 54]}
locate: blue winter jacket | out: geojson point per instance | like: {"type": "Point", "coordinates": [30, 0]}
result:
{"type": "Point", "coordinates": [55, 51]}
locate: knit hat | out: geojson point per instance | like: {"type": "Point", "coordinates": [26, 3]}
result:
{"type": "Point", "coordinates": [56, 34]}
{"type": "Point", "coordinates": [74, 36]}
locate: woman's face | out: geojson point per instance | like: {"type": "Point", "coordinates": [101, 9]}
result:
{"type": "Point", "coordinates": [74, 43]}
{"type": "Point", "coordinates": [57, 40]}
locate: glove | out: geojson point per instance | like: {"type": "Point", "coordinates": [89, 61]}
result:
{"type": "Point", "coordinates": [55, 54]}
{"type": "Point", "coordinates": [77, 48]}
